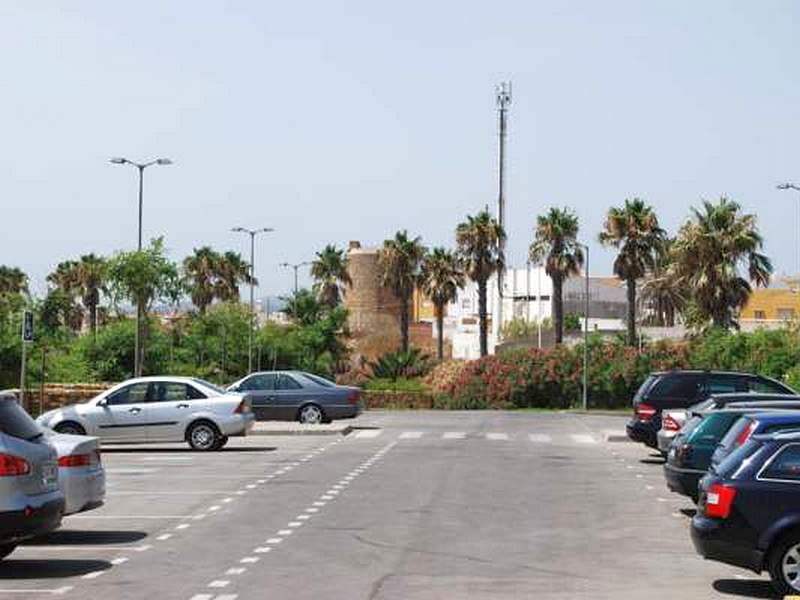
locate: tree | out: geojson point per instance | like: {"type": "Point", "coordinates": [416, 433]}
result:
{"type": "Point", "coordinates": [200, 271]}
{"type": "Point", "coordinates": [400, 260]}
{"type": "Point", "coordinates": [303, 307]}
{"type": "Point", "coordinates": [709, 251]}
{"type": "Point", "coordinates": [143, 277]}
{"type": "Point", "coordinates": [556, 245]}
{"type": "Point", "coordinates": [634, 231]}
{"type": "Point", "coordinates": [330, 274]}
{"type": "Point", "coordinates": [662, 292]}
{"type": "Point", "coordinates": [92, 273]}
{"type": "Point", "coordinates": [232, 271]}
{"type": "Point", "coordinates": [479, 241]}
{"type": "Point", "coordinates": [442, 277]}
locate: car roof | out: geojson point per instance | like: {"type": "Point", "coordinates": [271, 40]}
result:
{"type": "Point", "coordinates": [706, 371]}
{"type": "Point", "coordinates": [175, 378]}
{"type": "Point", "coordinates": [778, 436]}
{"type": "Point", "coordinates": [777, 416]}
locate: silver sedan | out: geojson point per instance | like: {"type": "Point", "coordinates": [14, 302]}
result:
{"type": "Point", "coordinates": [80, 471]}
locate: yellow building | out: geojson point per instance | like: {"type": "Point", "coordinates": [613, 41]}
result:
{"type": "Point", "coordinates": [422, 308]}
{"type": "Point", "coordinates": [772, 304]}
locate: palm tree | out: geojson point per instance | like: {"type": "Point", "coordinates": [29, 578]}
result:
{"type": "Point", "coordinates": [662, 293]}
{"type": "Point", "coordinates": [400, 260]}
{"type": "Point", "coordinates": [12, 281]}
{"type": "Point", "coordinates": [556, 245]}
{"type": "Point", "coordinates": [92, 272]}
{"type": "Point", "coordinates": [66, 279]}
{"type": "Point", "coordinates": [329, 271]}
{"type": "Point", "coordinates": [442, 277]}
{"type": "Point", "coordinates": [200, 271]}
{"type": "Point", "coordinates": [232, 271]}
{"type": "Point", "coordinates": [480, 240]}
{"type": "Point", "coordinates": [710, 249]}
{"type": "Point", "coordinates": [634, 231]}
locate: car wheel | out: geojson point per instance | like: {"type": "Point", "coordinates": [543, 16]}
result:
{"type": "Point", "coordinates": [784, 565]}
{"type": "Point", "coordinates": [6, 549]}
{"type": "Point", "coordinates": [311, 414]}
{"type": "Point", "coordinates": [221, 443]}
{"type": "Point", "coordinates": [70, 428]}
{"type": "Point", "coordinates": [203, 436]}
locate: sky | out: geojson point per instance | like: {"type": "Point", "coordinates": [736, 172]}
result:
{"type": "Point", "coordinates": [338, 121]}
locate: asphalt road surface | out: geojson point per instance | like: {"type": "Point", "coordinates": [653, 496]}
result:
{"type": "Point", "coordinates": [425, 505]}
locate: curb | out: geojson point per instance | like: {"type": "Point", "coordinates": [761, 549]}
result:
{"type": "Point", "coordinates": [347, 430]}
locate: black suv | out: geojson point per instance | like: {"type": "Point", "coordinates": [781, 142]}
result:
{"type": "Point", "coordinates": [748, 514]}
{"type": "Point", "coordinates": [682, 389]}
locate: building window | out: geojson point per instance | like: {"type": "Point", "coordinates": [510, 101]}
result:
{"type": "Point", "coordinates": [760, 315]}
{"type": "Point", "coordinates": [786, 314]}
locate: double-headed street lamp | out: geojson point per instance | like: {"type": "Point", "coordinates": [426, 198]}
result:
{"type": "Point", "coordinates": [796, 188]}
{"type": "Point", "coordinates": [137, 359]}
{"type": "Point", "coordinates": [252, 233]}
{"type": "Point", "coordinates": [295, 267]}
{"type": "Point", "coordinates": [586, 331]}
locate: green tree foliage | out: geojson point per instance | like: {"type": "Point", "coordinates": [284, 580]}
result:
{"type": "Point", "coordinates": [479, 241]}
{"type": "Point", "coordinates": [634, 231]}
{"type": "Point", "coordinates": [303, 307]}
{"type": "Point", "coordinates": [329, 270]}
{"type": "Point", "coordinates": [394, 365]}
{"type": "Point", "coordinates": [710, 251]}
{"type": "Point", "coordinates": [441, 277]}
{"type": "Point", "coordinates": [209, 275]}
{"type": "Point", "coordinates": [400, 259]}
{"type": "Point", "coordinates": [556, 245]}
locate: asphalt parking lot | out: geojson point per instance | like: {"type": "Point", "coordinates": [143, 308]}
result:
{"type": "Point", "coordinates": [421, 505]}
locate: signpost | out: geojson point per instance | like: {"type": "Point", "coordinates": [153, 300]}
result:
{"type": "Point", "coordinates": [27, 337]}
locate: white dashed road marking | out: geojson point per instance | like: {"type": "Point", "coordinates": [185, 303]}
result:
{"type": "Point", "coordinates": [583, 438]}
{"type": "Point", "coordinates": [497, 436]}
{"type": "Point", "coordinates": [454, 435]}
{"type": "Point", "coordinates": [410, 435]}
{"type": "Point", "coordinates": [540, 438]}
{"type": "Point", "coordinates": [368, 433]}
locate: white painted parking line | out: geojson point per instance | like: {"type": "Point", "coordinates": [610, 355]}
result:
{"type": "Point", "coordinates": [202, 597]}
{"type": "Point", "coordinates": [129, 517]}
{"type": "Point", "coordinates": [274, 540]}
{"type": "Point", "coordinates": [183, 526]}
{"type": "Point", "coordinates": [131, 471]}
{"type": "Point", "coordinates": [454, 435]}
{"type": "Point", "coordinates": [497, 436]}
{"type": "Point", "coordinates": [55, 591]}
{"type": "Point", "coordinates": [249, 559]}
{"type": "Point", "coordinates": [218, 583]}
{"type": "Point", "coordinates": [167, 458]}
{"type": "Point", "coordinates": [120, 560]}
{"type": "Point", "coordinates": [583, 438]}
{"type": "Point", "coordinates": [540, 438]}
{"type": "Point", "coordinates": [164, 536]}
{"type": "Point", "coordinates": [294, 524]}
{"type": "Point", "coordinates": [285, 532]}
{"type": "Point", "coordinates": [235, 571]}
{"type": "Point", "coordinates": [92, 575]}
{"type": "Point", "coordinates": [303, 517]}
{"type": "Point", "coordinates": [368, 433]}
{"type": "Point", "coordinates": [77, 548]}
{"type": "Point", "coordinates": [227, 597]}
{"type": "Point", "coordinates": [410, 435]}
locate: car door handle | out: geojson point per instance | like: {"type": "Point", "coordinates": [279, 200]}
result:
{"type": "Point", "coordinates": [182, 405]}
{"type": "Point", "coordinates": [135, 409]}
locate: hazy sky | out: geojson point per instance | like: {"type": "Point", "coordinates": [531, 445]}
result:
{"type": "Point", "coordinates": [332, 121]}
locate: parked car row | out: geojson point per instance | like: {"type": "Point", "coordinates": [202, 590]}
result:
{"type": "Point", "coordinates": [736, 453]}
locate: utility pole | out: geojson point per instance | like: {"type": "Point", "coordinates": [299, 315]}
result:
{"type": "Point", "coordinates": [137, 358]}
{"type": "Point", "coordinates": [586, 332]}
{"type": "Point", "coordinates": [503, 98]}
{"type": "Point", "coordinates": [796, 188]}
{"type": "Point", "coordinates": [252, 233]}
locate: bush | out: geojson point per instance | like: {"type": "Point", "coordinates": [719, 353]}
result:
{"type": "Point", "coordinates": [394, 365]}
{"type": "Point", "coordinates": [401, 384]}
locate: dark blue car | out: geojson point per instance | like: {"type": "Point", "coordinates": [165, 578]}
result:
{"type": "Point", "coordinates": [754, 424]}
{"type": "Point", "coordinates": [748, 512]}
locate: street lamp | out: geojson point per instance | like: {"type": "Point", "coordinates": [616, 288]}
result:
{"type": "Point", "coordinates": [796, 188]}
{"type": "Point", "coordinates": [586, 331]}
{"type": "Point", "coordinates": [252, 233]}
{"type": "Point", "coordinates": [137, 359]}
{"type": "Point", "coordinates": [295, 267]}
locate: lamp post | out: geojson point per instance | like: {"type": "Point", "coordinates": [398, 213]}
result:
{"type": "Point", "coordinates": [137, 359]}
{"type": "Point", "coordinates": [586, 331]}
{"type": "Point", "coordinates": [252, 233]}
{"type": "Point", "coordinates": [295, 267]}
{"type": "Point", "coordinates": [796, 188]}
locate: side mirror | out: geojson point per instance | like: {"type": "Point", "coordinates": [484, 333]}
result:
{"type": "Point", "coordinates": [102, 402]}
{"type": "Point", "coordinates": [234, 388]}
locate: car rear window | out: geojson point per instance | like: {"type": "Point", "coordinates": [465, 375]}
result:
{"type": "Point", "coordinates": [15, 422]}
{"type": "Point", "coordinates": [319, 380]}
{"type": "Point", "coordinates": [728, 467]}
{"type": "Point", "coordinates": [676, 386]}
{"type": "Point", "coordinates": [691, 425]}
{"type": "Point", "coordinates": [729, 438]}
{"type": "Point", "coordinates": [646, 385]}
{"type": "Point", "coordinates": [713, 427]}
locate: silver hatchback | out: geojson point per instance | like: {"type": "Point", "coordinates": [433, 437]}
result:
{"type": "Point", "coordinates": [31, 502]}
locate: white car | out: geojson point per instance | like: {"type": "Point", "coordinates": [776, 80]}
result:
{"type": "Point", "coordinates": [158, 409]}
{"type": "Point", "coordinates": [80, 471]}
{"type": "Point", "coordinates": [671, 423]}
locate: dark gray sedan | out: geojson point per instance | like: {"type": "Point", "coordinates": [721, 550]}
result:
{"type": "Point", "coordinates": [298, 396]}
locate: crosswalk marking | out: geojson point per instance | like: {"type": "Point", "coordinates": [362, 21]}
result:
{"type": "Point", "coordinates": [496, 436]}
{"type": "Point", "coordinates": [583, 438]}
{"type": "Point", "coordinates": [369, 433]}
{"type": "Point", "coordinates": [410, 435]}
{"type": "Point", "coordinates": [454, 435]}
{"type": "Point", "coordinates": [540, 438]}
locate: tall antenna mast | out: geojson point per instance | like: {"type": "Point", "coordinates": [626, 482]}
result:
{"type": "Point", "coordinates": [503, 98]}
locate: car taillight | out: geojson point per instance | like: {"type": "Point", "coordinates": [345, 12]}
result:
{"type": "Point", "coordinates": [745, 433]}
{"type": "Point", "coordinates": [670, 424]}
{"type": "Point", "coordinates": [12, 466]}
{"type": "Point", "coordinates": [683, 453]}
{"type": "Point", "coordinates": [243, 407]}
{"type": "Point", "coordinates": [645, 412]}
{"type": "Point", "coordinates": [719, 500]}
{"type": "Point", "coordinates": [75, 460]}
{"type": "Point", "coordinates": [352, 397]}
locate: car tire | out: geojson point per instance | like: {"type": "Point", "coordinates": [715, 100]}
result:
{"type": "Point", "coordinates": [70, 428]}
{"type": "Point", "coordinates": [203, 436]}
{"type": "Point", "coordinates": [311, 414]}
{"type": "Point", "coordinates": [784, 559]}
{"type": "Point", "coordinates": [6, 549]}
{"type": "Point", "coordinates": [221, 443]}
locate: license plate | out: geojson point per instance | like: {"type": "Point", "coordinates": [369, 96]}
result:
{"type": "Point", "coordinates": [49, 474]}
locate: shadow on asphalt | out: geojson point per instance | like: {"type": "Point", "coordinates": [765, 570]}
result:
{"type": "Point", "coordinates": [49, 568]}
{"type": "Point", "coordinates": [752, 588]}
{"type": "Point", "coordinates": [653, 461]}
{"type": "Point", "coordinates": [71, 537]}
{"type": "Point", "coordinates": [689, 512]}
{"type": "Point", "coordinates": [139, 450]}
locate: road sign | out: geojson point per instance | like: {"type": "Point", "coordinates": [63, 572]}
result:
{"type": "Point", "coordinates": [27, 326]}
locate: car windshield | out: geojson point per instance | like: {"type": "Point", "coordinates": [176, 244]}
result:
{"type": "Point", "coordinates": [210, 386]}
{"type": "Point", "coordinates": [319, 380]}
{"type": "Point", "coordinates": [15, 422]}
